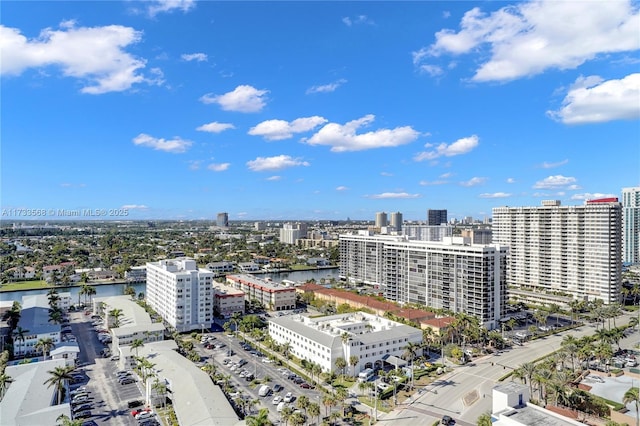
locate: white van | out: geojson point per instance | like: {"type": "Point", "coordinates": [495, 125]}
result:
{"type": "Point", "coordinates": [281, 406]}
{"type": "Point", "coordinates": [264, 390]}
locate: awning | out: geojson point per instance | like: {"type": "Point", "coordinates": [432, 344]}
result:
{"type": "Point", "coordinates": [394, 360]}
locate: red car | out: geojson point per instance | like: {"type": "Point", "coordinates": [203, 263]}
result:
{"type": "Point", "coordinates": [306, 385]}
{"type": "Point", "coordinates": [140, 410]}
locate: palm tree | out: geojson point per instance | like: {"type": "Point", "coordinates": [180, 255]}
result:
{"type": "Point", "coordinates": [260, 419]}
{"type": "Point", "coordinates": [340, 364]}
{"type": "Point", "coordinates": [484, 420]}
{"type": "Point", "coordinates": [137, 344]}
{"type": "Point", "coordinates": [64, 420]}
{"type": "Point", "coordinates": [5, 380]}
{"type": "Point", "coordinates": [116, 314]}
{"type": "Point", "coordinates": [353, 361]}
{"type": "Point", "coordinates": [297, 419]}
{"type": "Point", "coordinates": [45, 344]}
{"type": "Point", "coordinates": [341, 395]}
{"type": "Point", "coordinates": [161, 390]}
{"type": "Point", "coordinates": [528, 369]}
{"type": "Point", "coordinates": [314, 411]}
{"type": "Point", "coordinates": [19, 335]}
{"type": "Point", "coordinates": [285, 414]}
{"type": "Point", "coordinates": [410, 353]}
{"type": "Point", "coordinates": [633, 395]}
{"type": "Point", "coordinates": [303, 403]}
{"type": "Point", "coordinates": [59, 377]}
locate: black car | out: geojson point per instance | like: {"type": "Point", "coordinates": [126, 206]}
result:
{"type": "Point", "coordinates": [277, 388]}
{"type": "Point", "coordinates": [127, 381]}
{"type": "Point", "coordinates": [447, 420]}
{"type": "Point", "coordinates": [134, 403]}
{"type": "Point", "coordinates": [249, 377]}
{"type": "Point", "coordinates": [83, 407]}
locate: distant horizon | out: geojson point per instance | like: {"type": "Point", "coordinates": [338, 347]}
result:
{"type": "Point", "coordinates": [315, 110]}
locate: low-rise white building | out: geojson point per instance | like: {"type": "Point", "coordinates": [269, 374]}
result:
{"type": "Point", "coordinates": [372, 339]}
{"type": "Point", "coordinates": [227, 300]}
{"type": "Point", "coordinates": [273, 296]}
{"type": "Point", "coordinates": [34, 320]}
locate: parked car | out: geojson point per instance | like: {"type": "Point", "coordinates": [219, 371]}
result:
{"type": "Point", "coordinates": [147, 414]}
{"type": "Point", "coordinates": [83, 407]}
{"type": "Point", "coordinates": [276, 400]}
{"type": "Point", "coordinates": [288, 397]}
{"type": "Point", "coordinates": [134, 413]}
{"type": "Point", "coordinates": [127, 381]}
{"type": "Point", "coordinates": [82, 414]}
{"type": "Point", "coordinates": [447, 420]}
{"type": "Point", "coordinates": [134, 403]}
{"type": "Point", "coordinates": [80, 399]}
{"type": "Point", "coordinates": [306, 385]}
{"type": "Point", "coordinates": [277, 387]}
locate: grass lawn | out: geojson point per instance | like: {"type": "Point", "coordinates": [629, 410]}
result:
{"type": "Point", "coordinates": [25, 285]}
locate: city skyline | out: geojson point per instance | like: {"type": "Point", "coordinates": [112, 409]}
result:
{"type": "Point", "coordinates": [315, 110]}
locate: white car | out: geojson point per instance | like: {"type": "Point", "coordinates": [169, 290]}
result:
{"type": "Point", "coordinates": [277, 400]}
{"type": "Point", "coordinates": [288, 397]}
{"type": "Point", "coordinates": [145, 415]}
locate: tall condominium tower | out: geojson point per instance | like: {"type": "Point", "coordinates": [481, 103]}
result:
{"type": "Point", "coordinates": [291, 232]}
{"type": "Point", "coordinates": [222, 220]}
{"type": "Point", "coordinates": [396, 221]}
{"type": "Point", "coordinates": [574, 251]}
{"type": "Point", "coordinates": [181, 293]}
{"type": "Point", "coordinates": [436, 217]}
{"type": "Point", "coordinates": [381, 219]}
{"type": "Point", "coordinates": [631, 225]}
{"type": "Point", "coordinates": [452, 274]}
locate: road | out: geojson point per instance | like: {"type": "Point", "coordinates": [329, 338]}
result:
{"type": "Point", "coordinates": [465, 393]}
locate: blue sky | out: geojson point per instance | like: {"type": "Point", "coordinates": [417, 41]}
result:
{"type": "Point", "coordinates": [315, 110]}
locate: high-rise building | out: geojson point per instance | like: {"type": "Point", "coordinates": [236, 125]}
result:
{"type": "Point", "coordinates": [478, 235]}
{"type": "Point", "coordinates": [396, 221]}
{"type": "Point", "coordinates": [436, 217]}
{"type": "Point", "coordinates": [452, 275]}
{"type": "Point", "coordinates": [222, 220]}
{"type": "Point", "coordinates": [428, 233]}
{"type": "Point", "coordinates": [631, 225]}
{"type": "Point", "coordinates": [181, 293]}
{"type": "Point", "coordinates": [290, 232]}
{"type": "Point", "coordinates": [381, 219]}
{"type": "Point", "coordinates": [574, 251]}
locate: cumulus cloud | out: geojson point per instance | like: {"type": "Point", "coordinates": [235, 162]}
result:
{"type": "Point", "coordinates": [511, 180]}
{"type": "Point", "coordinates": [593, 100]}
{"type": "Point", "coordinates": [199, 57]}
{"type": "Point", "coordinates": [495, 195]}
{"type": "Point", "coordinates": [553, 182]}
{"type": "Point", "coordinates": [273, 130]}
{"type": "Point", "coordinates": [360, 19]}
{"type": "Point", "coordinates": [591, 196]}
{"type": "Point", "coordinates": [474, 181]}
{"type": "Point", "coordinates": [215, 127]}
{"type": "Point", "coordinates": [218, 167]}
{"type": "Point", "coordinates": [134, 207]}
{"type": "Point", "coordinates": [386, 195]}
{"type": "Point", "coordinates": [342, 188]}
{"type": "Point", "coordinates": [459, 147]}
{"type": "Point", "coordinates": [325, 88]}
{"type": "Point", "coordinates": [548, 165]}
{"type": "Point", "coordinates": [278, 162]}
{"type": "Point", "coordinates": [343, 138]}
{"type": "Point", "coordinates": [528, 38]}
{"type": "Point", "coordinates": [167, 6]}
{"type": "Point", "coordinates": [243, 98]}
{"type": "Point", "coordinates": [175, 145]}
{"type": "Point", "coordinates": [94, 55]}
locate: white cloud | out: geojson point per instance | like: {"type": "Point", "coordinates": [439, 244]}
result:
{"type": "Point", "coordinates": [342, 188]}
{"type": "Point", "coordinates": [459, 147]}
{"type": "Point", "coordinates": [243, 98]}
{"type": "Point", "coordinates": [175, 145]}
{"type": "Point", "coordinates": [343, 138]}
{"type": "Point", "coordinates": [386, 174]}
{"type": "Point", "coordinates": [273, 130]}
{"type": "Point", "coordinates": [215, 127]}
{"type": "Point", "coordinates": [557, 181]}
{"type": "Point", "coordinates": [547, 165]}
{"type": "Point", "coordinates": [495, 195]}
{"type": "Point", "coordinates": [433, 182]}
{"type": "Point", "coordinates": [199, 57]}
{"type": "Point", "coordinates": [432, 70]}
{"type": "Point", "coordinates": [511, 180]}
{"type": "Point", "coordinates": [528, 38]}
{"type": "Point", "coordinates": [195, 164]}
{"type": "Point", "coordinates": [93, 54]}
{"type": "Point", "coordinates": [360, 19]}
{"type": "Point", "coordinates": [591, 196]}
{"type": "Point", "coordinates": [325, 88]}
{"type": "Point", "coordinates": [161, 6]}
{"type": "Point", "coordinates": [446, 175]}
{"type": "Point", "coordinates": [593, 100]}
{"type": "Point", "coordinates": [474, 181]}
{"type": "Point", "coordinates": [218, 167]}
{"type": "Point", "coordinates": [274, 178]}
{"type": "Point", "coordinates": [279, 162]}
{"type": "Point", "coordinates": [134, 207]}
{"type": "Point", "coordinates": [386, 195]}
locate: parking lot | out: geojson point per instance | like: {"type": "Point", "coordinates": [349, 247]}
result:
{"type": "Point", "coordinates": [107, 399]}
{"type": "Point", "coordinates": [259, 366]}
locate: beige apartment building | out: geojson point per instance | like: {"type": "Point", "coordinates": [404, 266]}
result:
{"type": "Point", "coordinates": [273, 296]}
{"type": "Point", "coordinates": [227, 300]}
